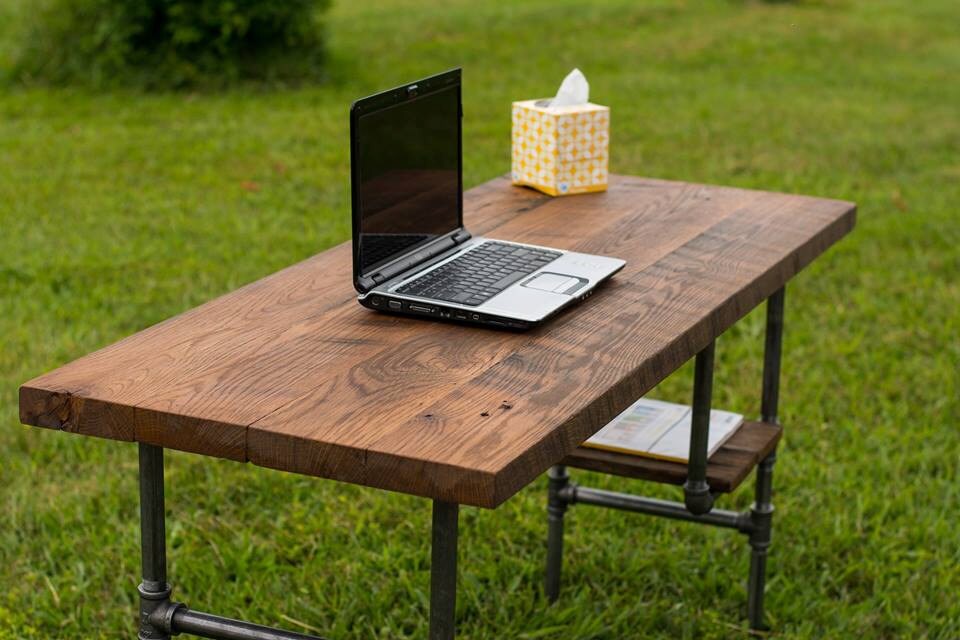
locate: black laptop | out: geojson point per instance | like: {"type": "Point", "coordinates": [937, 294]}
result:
{"type": "Point", "coordinates": [412, 254]}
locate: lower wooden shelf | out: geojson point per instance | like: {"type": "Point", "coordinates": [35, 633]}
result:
{"type": "Point", "coordinates": [726, 469]}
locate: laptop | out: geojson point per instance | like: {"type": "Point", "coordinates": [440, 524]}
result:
{"type": "Point", "coordinates": [411, 253]}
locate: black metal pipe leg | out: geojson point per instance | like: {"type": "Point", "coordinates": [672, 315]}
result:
{"type": "Point", "coordinates": [443, 570]}
{"type": "Point", "coordinates": [154, 589]}
{"type": "Point", "coordinates": [556, 509]}
{"type": "Point", "coordinates": [696, 490]}
{"type": "Point", "coordinates": [761, 515]}
{"type": "Point", "coordinates": [773, 345]}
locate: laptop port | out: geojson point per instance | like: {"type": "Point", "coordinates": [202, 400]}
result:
{"type": "Point", "coordinates": [420, 308]}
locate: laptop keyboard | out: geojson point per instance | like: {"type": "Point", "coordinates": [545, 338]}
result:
{"type": "Point", "coordinates": [480, 273]}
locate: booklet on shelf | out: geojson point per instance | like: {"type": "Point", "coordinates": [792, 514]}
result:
{"type": "Point", "coordinates": [658, 429]}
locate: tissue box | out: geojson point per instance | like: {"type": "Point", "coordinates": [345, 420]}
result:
{"type": "Point", "coordinates": [560, 150]}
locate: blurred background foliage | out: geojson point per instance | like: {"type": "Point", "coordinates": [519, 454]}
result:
{"type": "Point", "coordinates": [171, 43]}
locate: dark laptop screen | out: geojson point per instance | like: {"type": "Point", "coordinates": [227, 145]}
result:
{"type": "Point", "coordinates": [409, 175]}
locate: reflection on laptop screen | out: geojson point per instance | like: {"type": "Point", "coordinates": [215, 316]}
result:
{"type": "Point", "coordinates": [409, 170]}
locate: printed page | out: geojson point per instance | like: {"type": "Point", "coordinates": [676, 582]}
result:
{"type": "Point", "coordinates": [640, 426]}
{"type": "Point", "coordinates": [661, 430]}
{"type": "Point", "coordinates": [675, 444]}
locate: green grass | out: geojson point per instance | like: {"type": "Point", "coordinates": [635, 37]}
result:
{"type": "Point", "coordinates": [118, 210]}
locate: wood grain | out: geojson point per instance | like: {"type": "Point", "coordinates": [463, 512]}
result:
{"type": "Point", "coordinates": [726, 469]}
{"type": "Point", "coordinates": [289, 372]}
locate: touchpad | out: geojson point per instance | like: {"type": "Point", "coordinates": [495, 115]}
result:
{"type": "Point", "coordinates": [555, 282]}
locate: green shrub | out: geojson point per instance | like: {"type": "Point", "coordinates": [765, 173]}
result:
{"type": "Point", "coordinates": [173, 43]}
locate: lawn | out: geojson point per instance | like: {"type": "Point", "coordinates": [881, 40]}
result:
{"type": "Point", "coordinates": [119, 209]}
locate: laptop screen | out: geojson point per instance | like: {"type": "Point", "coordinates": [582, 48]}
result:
{"type": "Point", "coordinates": [409, 175]}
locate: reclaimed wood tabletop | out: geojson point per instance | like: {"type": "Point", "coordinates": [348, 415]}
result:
{"type": "Point", "coordinates": [289, 372]}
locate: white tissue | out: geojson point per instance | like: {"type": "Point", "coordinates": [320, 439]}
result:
{"type": "Point", "coordinates": [573, 90]}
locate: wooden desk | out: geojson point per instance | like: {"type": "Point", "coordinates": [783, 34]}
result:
{"type": "Point", "coordinates": [290, 373]}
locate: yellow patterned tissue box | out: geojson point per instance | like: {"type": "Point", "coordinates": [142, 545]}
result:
{"type": "Point", "coordinates": [561, 150]}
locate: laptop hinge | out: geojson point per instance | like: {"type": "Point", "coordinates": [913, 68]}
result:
{"type": "Point", "coordinates": [416, 258]}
